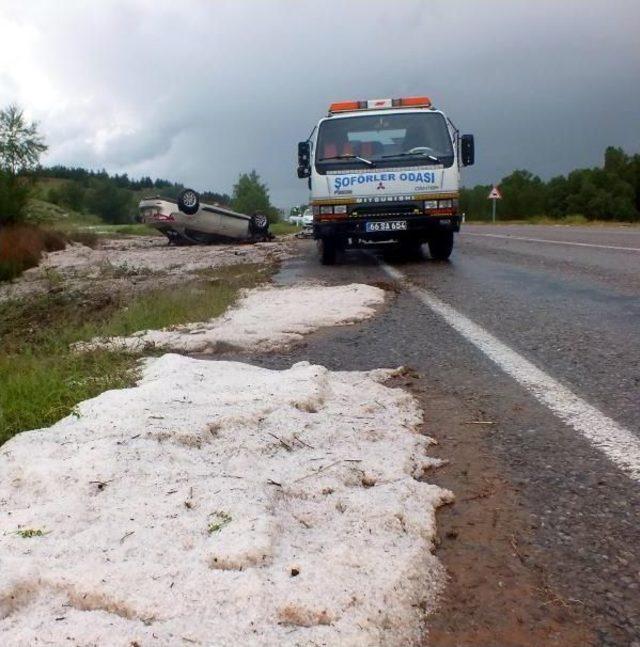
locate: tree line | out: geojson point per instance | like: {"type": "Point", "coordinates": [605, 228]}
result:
{"type": "Point", "coordinates": [115, 197]}
{"type": "Point", "coordinates": [112, 197]}
{"type": "Point", "coordinates": [610, 192]}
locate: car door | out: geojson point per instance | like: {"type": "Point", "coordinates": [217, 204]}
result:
{"type": "Point", "coordinates": [234, 226]}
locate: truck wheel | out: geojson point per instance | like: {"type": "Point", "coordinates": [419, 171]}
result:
{"type": "Point", "coordinates": [441, 246]}
{"type": "Point", "coordinates": [328, 251]}
{"type": "Point", "coordinates": [188, 201]}
{"type": "Point", "coordinates": [259, 224]}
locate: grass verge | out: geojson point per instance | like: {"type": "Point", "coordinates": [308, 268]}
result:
{"type": "Point", "coordinates": [282, 228]}
{"type": "Point", "coordinates": [571, 220]}
{"type": "Point", "coordinates": [39, 389]}
{"type": "Point", "coordinates": [42, 380]}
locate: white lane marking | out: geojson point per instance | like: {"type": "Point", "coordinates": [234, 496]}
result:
{"type": "Point", "coordinates": [617, 443]}
{"type": "Point", "coordinates": [553, 242]}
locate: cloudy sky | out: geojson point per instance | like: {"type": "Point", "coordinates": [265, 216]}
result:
{"type": "Point", "coordinates": [199, 90]}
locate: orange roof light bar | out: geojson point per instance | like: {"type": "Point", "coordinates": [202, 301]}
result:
{"type": "Point", "coordinates": [345, 106]}
{"type": "Point", "coordinates": [415, 101]}
{"type": "Point", "coordinates": [376, 104]}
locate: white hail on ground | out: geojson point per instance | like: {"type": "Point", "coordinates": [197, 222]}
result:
{"type": "Point", "coordinates": [223, 504]}
{"type": "Point", "coordinates": [264, 318]}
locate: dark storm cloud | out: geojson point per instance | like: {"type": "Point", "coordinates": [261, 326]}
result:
{"type": "Point", "coordinates": [200, 91]}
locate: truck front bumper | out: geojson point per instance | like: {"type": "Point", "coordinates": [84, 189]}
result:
{"type": "Point", "coordinates": [352, 232]}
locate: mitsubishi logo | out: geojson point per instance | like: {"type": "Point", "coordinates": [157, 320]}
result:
{"type": "Point", "coordinates": [380, 186]}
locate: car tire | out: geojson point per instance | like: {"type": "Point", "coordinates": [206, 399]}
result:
{"type": "Point", "coordinates": [328, 251]}
{"type": "Point", "coordinates": [441, 246]}
{"type": "Point", "coordinates": [259, 224]}
{"type": "Point", "coordinates": [188, 201]}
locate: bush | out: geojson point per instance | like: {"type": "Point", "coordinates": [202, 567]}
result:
{"type": "Point", "coordinates": [53, 196]}
{"type": "Point", "coordinates": [71, 194]}
{"type": "Point", "coordinates": [21, 247]}
{"type": "Point", "coordinates": [14, 194]}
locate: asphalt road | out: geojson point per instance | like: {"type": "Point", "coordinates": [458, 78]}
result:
{"type": "Point", "coordinates": [567, 301]}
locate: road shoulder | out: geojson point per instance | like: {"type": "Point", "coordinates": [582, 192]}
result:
{"type": "Point", "coordinates": [496, 593]}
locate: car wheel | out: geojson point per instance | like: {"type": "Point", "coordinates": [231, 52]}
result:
{"type": "Point", "coordinates": [259, 224]}
{"type": "Point", "coordinates": [441, 246]}
{"type": "Point", "coordinates": [188, 201]}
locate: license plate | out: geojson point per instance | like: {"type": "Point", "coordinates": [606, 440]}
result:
{"type": "Point", "coordinates": [386, 225]}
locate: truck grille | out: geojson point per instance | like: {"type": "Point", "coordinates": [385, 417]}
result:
{"type": "Point", "coordinates": [386, 209]}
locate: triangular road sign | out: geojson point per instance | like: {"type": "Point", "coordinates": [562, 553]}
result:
{"type": "Point", "coordinates": [495, 194]}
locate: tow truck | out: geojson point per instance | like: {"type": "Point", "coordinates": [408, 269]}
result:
{"type": "Point", "coordinates": [385, 172]}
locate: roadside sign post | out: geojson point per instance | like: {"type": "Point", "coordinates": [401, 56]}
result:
{"type": "Point", "coordinates": [494, 195]}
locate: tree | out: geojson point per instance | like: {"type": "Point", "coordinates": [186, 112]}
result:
{"type": "Point", "coordinates": [615, 161]}
{"type": "Point", "coordinates": [523, 195]}
{"type": "Point", "coordinates": [250, 195]}
{"type": "Point", "coordinates": [109, 202]}
{"type": "Point", "coordinates": [215, 198]}
{"type": "Point", "coordinates": [20, 143]}
{"type": "Point", "coordinates": [556, 197]}
{"type": "Point", "coordinates": [20, 150]}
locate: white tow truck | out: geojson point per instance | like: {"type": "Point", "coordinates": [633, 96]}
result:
{"type": "Point", "coordinates": [385, 172]}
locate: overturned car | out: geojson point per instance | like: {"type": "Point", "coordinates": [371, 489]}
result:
{"type": "Point", "coordinates": [188, 221]}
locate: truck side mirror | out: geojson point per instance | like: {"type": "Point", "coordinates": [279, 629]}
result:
{"type": "Point", "coordinates": [304, 157]}
{"type": "Point", "coordinates": [467, 150]}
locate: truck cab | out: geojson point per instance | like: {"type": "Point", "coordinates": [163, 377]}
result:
{"type": "Point", "coordinates": [385, 172]}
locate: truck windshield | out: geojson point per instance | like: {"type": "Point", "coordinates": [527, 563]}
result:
{"type": "Point", "coordinates": [404, 139]}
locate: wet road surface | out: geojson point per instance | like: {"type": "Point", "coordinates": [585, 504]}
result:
{"type": "Point", "coordinates": [571, 310]}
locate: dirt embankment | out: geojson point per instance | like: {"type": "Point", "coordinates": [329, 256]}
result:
{"type": "Point", "coordinates": [132, 264]}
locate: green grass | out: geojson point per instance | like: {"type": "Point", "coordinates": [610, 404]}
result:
{"type": "Point", "coordinates": [198, 301]}
{"type": "Point", "coordinates": [39, 389]}
{"type": "Point", "coordinates": [43, 379]}
{"type": "Point", "coordinates": [219, 521]}
{"type": "Point", "coordinates": [574, 219]}
{"type": "Point", "coordinates": [47, 213]}
{"type": "Point", "coordinates": [282, 228]}
{"type": "Point", "coordinates": [70, 222]}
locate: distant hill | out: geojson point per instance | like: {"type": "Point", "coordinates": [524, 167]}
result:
{"type": "Point", "coordinates": [83, 194]}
